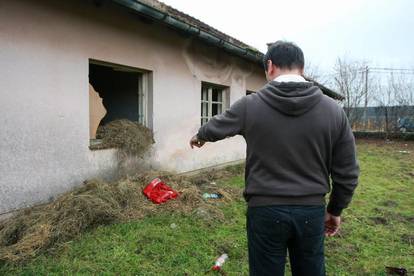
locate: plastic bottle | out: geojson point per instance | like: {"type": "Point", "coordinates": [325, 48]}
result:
{"type": "Point", "coordinates": [212, 196]}
{"type": "Point", "coordinates": [219, 262]}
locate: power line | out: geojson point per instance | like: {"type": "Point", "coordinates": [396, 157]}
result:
{"type": "Point", "coordinates": [389, 72]}
{"type": "Point", "coordinates": [391, 69]}
{"type": "Point", "coordinates": [385, 70]}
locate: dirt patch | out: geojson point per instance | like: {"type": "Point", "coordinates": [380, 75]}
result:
{"type": "Point", "coordinates": [379, 220]}
{"type": "Point", "coordinates": [378, 210]}
{"type": "Point", "coordinates": [389, 203]}
{"type": "Point", "coordinates": [226, 246]}
{"type": "Point", "coordinates": [32, 231]}
{"type": "Point", "coordinates": [409, 239]}
{"type": "Point", "coordinates": [385, 216]}
{"type": "Point", "coordinates": [409, 219]}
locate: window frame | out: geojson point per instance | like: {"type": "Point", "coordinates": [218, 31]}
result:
{"type": "Point", "coordinates": [144, 92]}
{"type": "Point", "coordinates": [143, 87]}
{"type": "Point", "coordinates": [208, 87]}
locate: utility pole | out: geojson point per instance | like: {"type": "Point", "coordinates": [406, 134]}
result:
{"type": "Point", "coordinates": [366, 99]}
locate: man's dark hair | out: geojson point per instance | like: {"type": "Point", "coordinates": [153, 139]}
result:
{"type": "Point", "coordinates": [285, 55]}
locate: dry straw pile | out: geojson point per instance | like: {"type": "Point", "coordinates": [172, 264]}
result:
{"type": "Point", "coordinates": [44, 227]}
{"type": "Point", "coordinates": [129, 137]}
{"type": "Point", "coordinates": [95, 202]}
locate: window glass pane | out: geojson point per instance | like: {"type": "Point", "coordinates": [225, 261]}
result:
{"type": "Point", "coordinates": [204, 93]}
{"type": "Point", "coordinates": [213, 109]}
{"type": "Point", "coordinates": [216, 109]}
{"type": "Point", "coordinates": [204, 109]}
{"type": "Point", "coordinates": [217, 95]}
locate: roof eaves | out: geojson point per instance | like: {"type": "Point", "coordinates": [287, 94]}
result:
{"type": "Point", "coordinates": [173, 18]}
{"type": "Point", "coordinates": [326, 90]}
{"type": "Point", "coordinates": [178, 20]}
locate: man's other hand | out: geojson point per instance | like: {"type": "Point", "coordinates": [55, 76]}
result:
{"type": "Point", "coordinates": [195, 142]}
{"type": "Point", "coordinates": [332, 224]}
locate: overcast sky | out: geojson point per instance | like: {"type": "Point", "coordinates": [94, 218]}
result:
{"type": "Point", "coordinates": [378, 31]}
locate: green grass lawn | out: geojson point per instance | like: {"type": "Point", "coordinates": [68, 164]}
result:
{"type": "Point", "coordinates": [378, 231]}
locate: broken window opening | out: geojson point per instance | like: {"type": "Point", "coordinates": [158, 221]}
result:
{"type": "Point", "coordinates": [213, 101]}
{"type": "Point", "coordinates": [115, 92]}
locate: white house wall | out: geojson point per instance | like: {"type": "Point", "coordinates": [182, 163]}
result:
{"type": "Point", "coordinates": [44, 54]}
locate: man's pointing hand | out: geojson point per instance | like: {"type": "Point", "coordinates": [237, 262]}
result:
{"type": "Point", "coordinates": [195, 142]}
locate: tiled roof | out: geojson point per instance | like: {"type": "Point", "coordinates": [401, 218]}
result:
{"type": "Point", "coordinates": [174, 18]}
{"type": "Point", "coordinates": [195, 22]}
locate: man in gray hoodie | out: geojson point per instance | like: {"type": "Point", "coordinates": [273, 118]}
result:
{"type": "Point", "coordinates": [298, 141]}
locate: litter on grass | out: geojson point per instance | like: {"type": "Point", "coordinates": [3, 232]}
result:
{"type": "Point", "coordinates": [43, 228]}
{"type": "Point", "coordinates": [218, 264]}
{"type": "Point", "coordinates": [212, 195]}
{"type": "Point", "coordinates": [158, 192]}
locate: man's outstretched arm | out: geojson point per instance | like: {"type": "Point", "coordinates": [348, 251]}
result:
{"type": "Point", "coordinates": [224, 125]}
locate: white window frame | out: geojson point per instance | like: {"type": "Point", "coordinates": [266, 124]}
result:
{"type": "Point", "coordinates": [143, 88]}
{"type": "Point", "coordinates": [210, 102]}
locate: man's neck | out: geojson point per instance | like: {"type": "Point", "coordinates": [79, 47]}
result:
{"type": "Point", "coordinates": [290, 77]}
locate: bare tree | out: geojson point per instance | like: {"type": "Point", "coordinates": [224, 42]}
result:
{"type": "Point", "coordinates": [313, 72]}
{"type": "Point", "coordinates": [394, 99]}
{"type": "Point", "coordinates": [383, 98]}
{"type": "Point", "coordinates": [351, 82]}
{"type": "Point", "coordinates": [402, 87]}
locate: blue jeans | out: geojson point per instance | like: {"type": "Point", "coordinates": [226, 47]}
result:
{"type": "Point", "coordinates": [272, 230]}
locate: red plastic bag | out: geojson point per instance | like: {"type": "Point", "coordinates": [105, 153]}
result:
{"type": "Point", "coordinates": [158, 192]}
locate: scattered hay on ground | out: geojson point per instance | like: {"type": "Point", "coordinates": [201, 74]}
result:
{"type": "Point", "coordinates": [130, 137]}
{"type": "Point", "coordinates": [32, 231]}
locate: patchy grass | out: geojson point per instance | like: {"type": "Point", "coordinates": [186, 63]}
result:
{"type": "Point", "coordinates": [378, 231]}
{"type": "Point", "coordinates": [381, 217]}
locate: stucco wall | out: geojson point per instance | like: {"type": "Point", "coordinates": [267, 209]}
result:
{"type": "Point", "coordinates": [44, 53]}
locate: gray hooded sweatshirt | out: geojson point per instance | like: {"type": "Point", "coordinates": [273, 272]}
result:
{"type": "Point", "coordinates": [297, 141]}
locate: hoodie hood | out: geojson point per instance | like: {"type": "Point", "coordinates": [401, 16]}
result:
{"type": "Point", "coordinates": [291, 98]}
